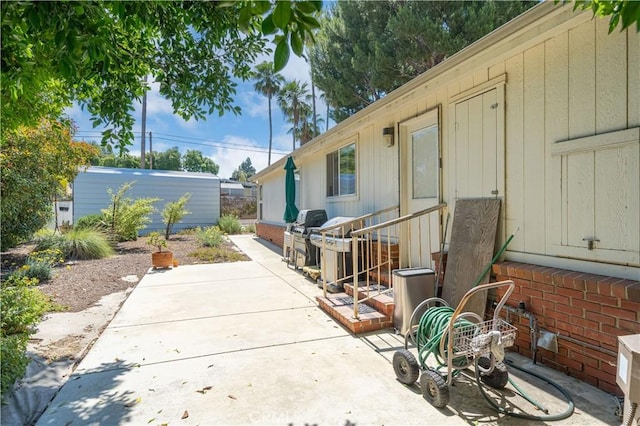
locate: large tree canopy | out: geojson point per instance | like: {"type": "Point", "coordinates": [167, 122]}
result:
{"type": "Point", "coordinates": [365, 50]}
{"type": "Point", "coordinates": [98, 53]}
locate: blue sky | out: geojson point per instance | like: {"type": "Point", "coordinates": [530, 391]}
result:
{"type": "Point", "coordinates": [227, 140]}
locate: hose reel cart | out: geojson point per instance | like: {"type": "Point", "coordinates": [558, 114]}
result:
{"type": "Point", "coordinates": [457, 340]}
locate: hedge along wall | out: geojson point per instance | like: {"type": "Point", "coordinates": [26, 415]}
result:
{"type": "Point", "coordinates": [593, 309]}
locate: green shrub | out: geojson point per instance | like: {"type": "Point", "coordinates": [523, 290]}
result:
{"type": "Point", "coordinates": [14, 359]}
{"type": "Point", "coordinates": [249, 229]}
{"type": "Point", "coordinates": [23, 305]}
{"type": "Point", "coordinates": [48, 240]}
{"type": "Point", "coordinates": [126, 217]}
{"type": "Point", "coordinates": [229, 224]}
{"type": "Point", "coordinates": [39, 264]}
{"type": "Point", "coordinates": [210, 237]}
{"type": "Point", "coordinates": [86, 244]}
{"type": "Point", "coordinates": [174, 212]}
{"type": "Point", "coordinates": [92, 221]}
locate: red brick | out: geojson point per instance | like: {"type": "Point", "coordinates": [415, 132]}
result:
{"type": "Point", "coordinates": [598, 337]}
{"type": "Point", "coordinates": [500, 268]}
{"type": "Point", "coordinates": [602, 357]}
{"type": "Point", "coordinates": [632, 326]}
{"type": "Point", "coordinates": [559, 276]}
{"type": "Point", "coordinates": [603, 300]}
{"type": "Point", "coordinates": [569, 363]}
{"type": "Point", "coordinates": [545, 288]}
{"type": "Point", "coordinates": [570, 292]}
{"type": "Point", "coordinates": [570, 310]}
{"type": "Point", "coordinates": [600, 374]}
{"type": "Point", "coordinates": [583, 359]}
{"type": "Point", "coordinates": [563, 300]}
{"type": "Point", "coordinates": [557, 315]}
{"type": "Point", "coordinates": [531, 292]}
{"type": "Point", "coordinates": [519, 282]}
{"type": "Point", "coordinates": [543, 275]}
{"type": "Point", "coordinates": [523, 271]}
{"type": "Point", "coordinates": [585, 323]}
{"type": "Point", "coordinates": [619, 289]}
{"type": "Point", "coordinates": [599, 318]}
{"type": "Point", "coordinates": [579, 282]}
{"type": "Point", "coordinates": [569, 327]}
{"type": "Point", "coordinates": [619, 313]}
{"type": "Point", "coordinates": [628, 305]}
{"type": "Point", "coordinates": [591, 282]}
{"type": "Point", "coordinates": [588, 306]}
{"type": "Point", "coordinates": [604, 285]}
{"type": "Point", "coordinates": [567, 280]}
{"type": "Point", "coordinates": [633, 292]}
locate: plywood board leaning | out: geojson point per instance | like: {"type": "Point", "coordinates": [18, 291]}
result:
{"type": "Point", "coordinates": [473, 236]}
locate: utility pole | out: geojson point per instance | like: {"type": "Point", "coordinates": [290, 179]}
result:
{"type": "Point", "coordinates": [144, 126]}
{"type": "Point", "coordinates": [150, 150]}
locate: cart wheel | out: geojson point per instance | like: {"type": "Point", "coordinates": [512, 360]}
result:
{"type": "Point", "coordinates": [434, 388]}
{"type": "Point", "coordinates": [406, 367]}
{"type": "Point", "coordinates": [498, 378]}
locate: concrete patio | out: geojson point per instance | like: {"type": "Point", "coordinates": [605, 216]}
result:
{"type": "Point", "coordinates": [245, 343]}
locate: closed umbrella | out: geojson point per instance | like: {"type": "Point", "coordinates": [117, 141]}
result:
{"type": "Point", "coordinates": [290, 211]}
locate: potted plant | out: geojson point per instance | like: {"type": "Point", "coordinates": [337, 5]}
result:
{"type": "Point", "coordinates": [160, 258]}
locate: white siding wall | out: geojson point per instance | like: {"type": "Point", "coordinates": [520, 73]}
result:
{"type": "Point", "coordinates": [560, 79]}
{"type": "Point", "coordinates": [90, 193]}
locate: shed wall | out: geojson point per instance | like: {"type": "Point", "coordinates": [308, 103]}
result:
{"type": "Point", "coordinates": [90, 194]}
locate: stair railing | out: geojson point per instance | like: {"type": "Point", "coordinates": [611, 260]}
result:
{"type": "Point", "coordinates": [338, 267]}
{"type": "Point", "coordinates": [395, 244]}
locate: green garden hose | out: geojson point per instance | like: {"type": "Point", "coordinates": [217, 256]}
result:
{"type": "Point", "coordinates": [565, 414]}
{"type": "Point", "coordinates": [432, 327]}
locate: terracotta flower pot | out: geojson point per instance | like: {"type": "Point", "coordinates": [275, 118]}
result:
{"type": "Point", "coordinates": [162, 259]}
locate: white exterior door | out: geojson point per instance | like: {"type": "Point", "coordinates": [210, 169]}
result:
{"type": "Point", "coordinates": [420, 184]}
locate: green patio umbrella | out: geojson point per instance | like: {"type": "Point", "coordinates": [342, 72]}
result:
{"type": "Point", "coordinates": [290, 211]}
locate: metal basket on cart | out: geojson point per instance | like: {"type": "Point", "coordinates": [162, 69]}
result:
{"type": "Point", "coordinates": [476, 339]}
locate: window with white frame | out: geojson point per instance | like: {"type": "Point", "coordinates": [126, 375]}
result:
{"type": "Point", "coordinates": [341, 171]}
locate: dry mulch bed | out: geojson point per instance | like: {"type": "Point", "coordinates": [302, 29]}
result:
{"type": "Point", "coordinates": [80, 284]}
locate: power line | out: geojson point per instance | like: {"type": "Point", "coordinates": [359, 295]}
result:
{"type": "Point", "coordinates": [171, 138]}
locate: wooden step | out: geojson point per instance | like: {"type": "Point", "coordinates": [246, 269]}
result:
{"type": "Point", "coordinates": [340, 307]}
{"type": "Point", "coordinates": [380, 302]}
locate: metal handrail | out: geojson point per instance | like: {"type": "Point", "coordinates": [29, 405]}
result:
{"type": "Point", "coordinates": [398, 220]}
{"type": "Point", "coordinates": [357, 238]}
{"type": "Point", "coordinates": [344, 225]}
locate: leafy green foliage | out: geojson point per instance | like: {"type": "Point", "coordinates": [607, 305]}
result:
{"type": "Point", "coordinates": [294, 100]}
{"type": "Point", "coordinates": [96, 221]}
{"type": "Point", "coordinates": [194, 161]}
{"type": "Point", "coordinates": [156, 240]}
{"type": "Point", "coordinates": [98, 53]}
{"type": "Point", "coordinates": [244, 171]}
{"type": "Point", "coordinates": [174, 212]}
{"type": "Point", "coordinates": [622, 12]}
{"type": "Point", "coordinates": [167, 160]}
{"type": "Point", "coordinates": [127, 217]}
{"type": "Point", "coordinates": [267, 82]}
{"type": "Point", "coordinates": [229, 224]}
{"type": "Point", "coordinates": [86, 243]}
{"type": "Point", "coordinates": [35, 164]}
{"type": "Point", "coordinates": [39, 264]}
{"type": "Point", "coordinates": [22, 308]}
{"type": "Point", "coordinates": [365, 50]}
{"type": "Point", "coordinates": [211, 236]}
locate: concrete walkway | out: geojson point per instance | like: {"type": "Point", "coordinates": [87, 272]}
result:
{"type": "Point", "coordinates": [244, 343]}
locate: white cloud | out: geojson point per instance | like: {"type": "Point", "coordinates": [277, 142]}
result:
{"type": "Point", "coordinates": [255, 104]}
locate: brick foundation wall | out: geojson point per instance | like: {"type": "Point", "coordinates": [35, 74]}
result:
{"type": "Point", "coordinates": [593, 309]}
{"type": "Point", "coordinates": [271, 232]}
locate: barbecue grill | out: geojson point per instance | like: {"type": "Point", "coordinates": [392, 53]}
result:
{"type": "Point", "coordinates": [336, 250]}
{"type": "Point", "coordinates": [303, 252]}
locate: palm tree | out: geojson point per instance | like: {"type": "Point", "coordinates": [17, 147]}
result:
{"type": "Point", "coordinates": [267, 83]}
{"type": "Point", "coordinates": [294, 100]}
